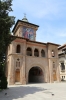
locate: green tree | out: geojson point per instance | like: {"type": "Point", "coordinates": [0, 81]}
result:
{"type": "Point", "coordinates": [6, 22]}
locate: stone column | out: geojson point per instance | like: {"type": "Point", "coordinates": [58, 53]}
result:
{"type": "Point", "coordinates": [13, 47]}
{"type": "Point", "coordinates": [11, 74]}
{"type": "Point", "coordinates": [50, 71]}
{"type": "Point", "coordinates": [58, 71]}
{"type": "Point", "coordinates": [23, 71]}
{"type": "Point", "coordinates": [33, 51]}
{"type": "Point", "coordinates": [39, 53]}
{"type": "Point", "coordinates": [24, 64]}
{"type": "Point", "coordinates": [60, 67]}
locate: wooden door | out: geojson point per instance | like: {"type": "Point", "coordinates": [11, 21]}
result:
{"type": "Point", "coordinates": [17, 76]}
{"type": "Point", "coordinates": [54, 75]}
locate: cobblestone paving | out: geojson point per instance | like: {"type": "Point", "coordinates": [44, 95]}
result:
{"type": "Point", "coordinates": [44, 91]}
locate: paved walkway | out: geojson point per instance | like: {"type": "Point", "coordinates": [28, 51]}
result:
{"type": "Point", "coordinates": [44, 91]}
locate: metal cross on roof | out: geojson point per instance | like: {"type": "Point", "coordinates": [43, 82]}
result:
{"type": "Point", "coordinates": [24, 15]}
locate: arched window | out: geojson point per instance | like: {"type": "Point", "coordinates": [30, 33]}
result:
{"type": "Point", "coordinates": [42, 53]}
{"type": "Point", "coordinates": [36, 53]}
{"type": "Point", "coordinates": [53, 53]}
{"type": "Point", "coordinates": [18, 49]}
{"type": "Point", "coordinates": [18, 63]}
{"type": "Point", "coordinates": [29, 51]}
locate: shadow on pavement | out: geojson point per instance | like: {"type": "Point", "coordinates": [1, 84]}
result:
{"type": "Point", "coordinates": [19, 92]}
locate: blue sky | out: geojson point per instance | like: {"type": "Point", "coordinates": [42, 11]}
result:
{"type": "Point", "coordinates": [50, 15]}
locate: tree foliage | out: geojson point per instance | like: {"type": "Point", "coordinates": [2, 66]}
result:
{"type": "Point", "coordinates": [6, 23]}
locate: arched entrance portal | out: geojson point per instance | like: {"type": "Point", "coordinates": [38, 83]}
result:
{"type": "Point", "coordinates": [35, 75]}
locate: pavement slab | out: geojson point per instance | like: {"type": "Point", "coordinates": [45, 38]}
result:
{"type": "Point", "coordinates": [42, 91]}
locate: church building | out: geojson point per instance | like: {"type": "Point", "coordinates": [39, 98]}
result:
{"type": "Point", "coordinates": [29, 61]}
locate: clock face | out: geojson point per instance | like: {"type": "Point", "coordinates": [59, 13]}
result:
{"type": "Point", "coordinates": [28, 33]}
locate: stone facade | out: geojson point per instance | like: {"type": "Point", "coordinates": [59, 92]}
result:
{"type": "Point", "coordinates": [29, 60]}
{"type": "Point", "coordinates": [62, 61]}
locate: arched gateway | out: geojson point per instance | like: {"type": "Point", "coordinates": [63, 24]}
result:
{"type": "Point", "coordinates": [35, 75]}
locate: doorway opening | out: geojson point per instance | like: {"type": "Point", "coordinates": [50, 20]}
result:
{"type": "Point", "coordinates": [17, 76]}
{"type": "Point", "coordinates": [35, 75]}
{"type": "Point", "coordinates": [54, 75]}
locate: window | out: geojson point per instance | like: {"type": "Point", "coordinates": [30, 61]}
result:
{"type": "Point", "coordinates": [53, 53]}
{"type": "Point", "coordinates": [62, 79]}
{"type": "Point", "coordinates": [18, 49]}
{"type": "Point", "coordinates": [36, 53]}
{"type": "Point", "coordinates": [42, 53]}
{"type": "Point", "coordinates": [29, 51]}
{"type": "Point", "coordinates": [64, 76]}
{"type": "Point", "coordinates": [18, 63]}
{"type": "Point", "coordinates": [62, 67]}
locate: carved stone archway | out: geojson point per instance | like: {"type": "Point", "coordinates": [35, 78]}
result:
{"type": "Point", "coordinates": [35, 75]}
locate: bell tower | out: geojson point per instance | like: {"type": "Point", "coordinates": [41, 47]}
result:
{"type": "Point", "coordinates": [25, 29]}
